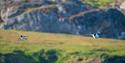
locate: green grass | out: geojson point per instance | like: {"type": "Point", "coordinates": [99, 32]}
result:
{"type": "Point", "coordinates": [68, 46]}
{"type": "Point", "coordinates": [99, 3]}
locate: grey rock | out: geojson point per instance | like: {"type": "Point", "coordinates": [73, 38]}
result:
{"type": "Point", "coordinates": [79, 18]}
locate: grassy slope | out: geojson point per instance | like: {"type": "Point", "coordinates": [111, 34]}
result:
{"type": "Point", "coordinates": [100, 3]}
{"type": "Point", "coordinates": [9, 41]}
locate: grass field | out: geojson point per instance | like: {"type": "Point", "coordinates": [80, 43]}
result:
{"type": "Point", "coordinates": [100, 3]}
{"type": "Point", "coordinates": [67, 45]}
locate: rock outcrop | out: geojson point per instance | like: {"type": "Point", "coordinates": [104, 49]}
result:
{"type": "Point", "coordinates": [69, 16]}
{"type": "Point", "coordinates": [122, 6]}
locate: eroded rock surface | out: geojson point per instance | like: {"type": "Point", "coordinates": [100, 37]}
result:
{"type": "Point", "coordinates": [69, 16]}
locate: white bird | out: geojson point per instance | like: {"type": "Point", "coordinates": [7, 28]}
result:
{"type": "Point", "coordinates": [23, 38]}
{"type": "Point", "coordinates": [95, 36]}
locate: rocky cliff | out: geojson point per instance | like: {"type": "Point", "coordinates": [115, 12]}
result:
{"type": "Point", "coordinates": [65, 16]}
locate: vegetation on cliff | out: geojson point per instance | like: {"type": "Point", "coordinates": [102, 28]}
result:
{"type": "Point", "coordinates": [100, 3]}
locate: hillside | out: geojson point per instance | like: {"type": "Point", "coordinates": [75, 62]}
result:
{"type": "Point", "coordinates": [58, 48]}
{"type": "Point", "coordinates": [62, 31]}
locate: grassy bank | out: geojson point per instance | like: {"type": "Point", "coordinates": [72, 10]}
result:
{"type": "Point", "coordinates": [64, 47]}
{"type": "Point", "coordinates": [100, 3]}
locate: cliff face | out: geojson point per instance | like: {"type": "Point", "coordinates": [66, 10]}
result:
{"type": "Point", "coordinates": [69, 16]}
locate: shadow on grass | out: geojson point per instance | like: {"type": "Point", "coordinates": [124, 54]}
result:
{"type": "Point", "coordinates": [115, 59]}
{"type": "Point", "coordinates": [49, 56]}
